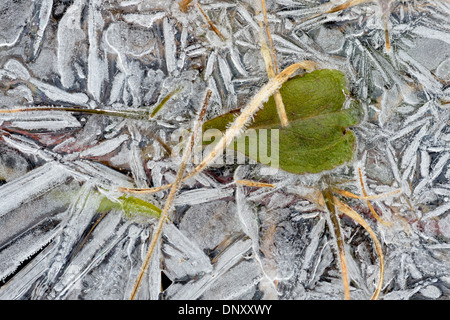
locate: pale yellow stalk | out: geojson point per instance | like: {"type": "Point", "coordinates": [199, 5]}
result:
{"type": "Point", "coordinates": [158, 230]}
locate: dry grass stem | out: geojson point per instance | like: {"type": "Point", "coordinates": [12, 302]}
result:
{"type": "Point", "coordinates": [211, 25]}
{"type": "Point", "coordinates": [184, 5]}
{"type": "Point", "coordinates": [348, 194]}
{"type": "Point", "coordinates": [345, 5]}
{"type": "Point", "coordinates": [345, 209]}
{"type": "Point", "coordinates": [250, 183]}
{"type": "Point", "coordinates": [317, 197]}
{"type": "Point", "coordinates": [271, 63]}
{"type": "Point", "coordinates": [157, 233]}
{"type": "Point", "coordinates": [329, 203]}
{"type": "Point", "coordinates": [372, 210]}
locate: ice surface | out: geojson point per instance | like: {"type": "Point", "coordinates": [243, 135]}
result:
{"type": "Point", "coordinates": [41, 121]}
{"type": "Point", "coordinates": [14, 16]}
{"type": "Point", "coordinates": [224, 240]}
{"type": "Point", "coordinates": [70, 36]}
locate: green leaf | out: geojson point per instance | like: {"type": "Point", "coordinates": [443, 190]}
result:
{"type": "Point", "coordinates": [132, 206]}
{"type": "Point", "coordinates": [317, 137]}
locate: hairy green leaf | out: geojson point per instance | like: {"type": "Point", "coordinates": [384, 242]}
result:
{"type": "Point", "coordinates": [317, 137]}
